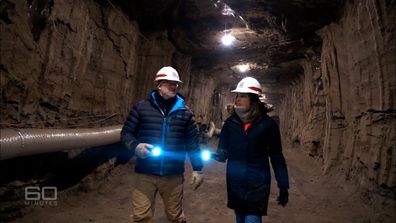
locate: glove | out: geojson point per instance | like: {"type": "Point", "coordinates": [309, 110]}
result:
{"type": "Point", "coordinates": [142, 151]}
{"type": "Point", "coordinates": [283, 197]}
{"type": "Point", "coordinates": [220, 156]}
{"type": "Point", "coordinates": [196, 179]}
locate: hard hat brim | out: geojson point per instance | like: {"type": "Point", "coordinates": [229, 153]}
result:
{"type": "Point", "coordinates": [156, 80]}
{"type": "Point", "coordinates": [246, 91]}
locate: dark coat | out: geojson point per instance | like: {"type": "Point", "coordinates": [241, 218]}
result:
{"type": "Point", "coordinates": [175, 132]}
{"type": "Point", "coordinates": [248, 168]}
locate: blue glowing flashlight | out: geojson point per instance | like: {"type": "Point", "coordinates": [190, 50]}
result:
{"type": "Point", "coordinates": [156, 151]}
{"type": "Point", "coordinates": [205, 155]}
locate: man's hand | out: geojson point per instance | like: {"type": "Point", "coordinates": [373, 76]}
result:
{"type": "Point", "coordinates": [142, 150]}
{"type": "Point", "coordinates": [283, 197]}
{"type": "Point", "coordinates": [196, 179]}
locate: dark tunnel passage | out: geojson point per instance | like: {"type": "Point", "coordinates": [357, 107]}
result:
{"type": "Point", "coordinates": [72, 70]}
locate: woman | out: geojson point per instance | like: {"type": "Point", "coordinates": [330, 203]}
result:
{"type": "Point", "coordinates": [250, 139]}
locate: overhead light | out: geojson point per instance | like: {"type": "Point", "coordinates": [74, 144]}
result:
{"type": "Point", "coordinates": [243, 67]}
{"type": "Point", "coordinates": [227, 39]}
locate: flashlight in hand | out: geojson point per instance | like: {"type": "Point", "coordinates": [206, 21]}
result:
{"type": "Point", "coordinates": [156, 151]}
{"type": "Point", "coordinates": [206, 155]}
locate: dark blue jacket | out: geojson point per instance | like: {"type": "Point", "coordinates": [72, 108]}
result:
{"type": "Point", "coordinates": [175, 133]}
{"type": "Point", "coordinates": [248, 169]}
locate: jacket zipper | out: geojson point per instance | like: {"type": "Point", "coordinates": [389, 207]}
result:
{"type": "Point", "coordinates": [164, 129]}
{"type": "Point", "coordinates": [161, 171]}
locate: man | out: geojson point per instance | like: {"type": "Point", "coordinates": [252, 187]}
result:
{"type": "Point", "coordinates": [161, 130]}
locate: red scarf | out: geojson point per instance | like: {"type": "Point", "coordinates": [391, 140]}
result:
{"type": "Point", "coordinates": [246, 125]}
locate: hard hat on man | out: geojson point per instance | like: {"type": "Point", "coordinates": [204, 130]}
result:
{"type": "Point", "coordinates": [167, 73]}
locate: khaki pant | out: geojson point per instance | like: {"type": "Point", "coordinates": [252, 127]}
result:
{"type": "Point", "coordinates": [145, 190]}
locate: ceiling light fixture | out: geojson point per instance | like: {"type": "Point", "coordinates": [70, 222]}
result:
{"type": "Point", "coordinates": [243, 68]}
{"type": "Point", "coordinates": [227, 39]}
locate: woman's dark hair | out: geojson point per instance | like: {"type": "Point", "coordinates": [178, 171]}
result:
{"type": "Point", "coordinates": [257, 107]}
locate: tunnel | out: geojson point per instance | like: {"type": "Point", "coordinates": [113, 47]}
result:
{"type": "Point", "coordinates": [71, 71]}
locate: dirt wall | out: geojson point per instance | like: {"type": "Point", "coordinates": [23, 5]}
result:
{"type": "Point", "coordinates": [343, 109]}
{"type": "Point", "coordinates": [77, 63]}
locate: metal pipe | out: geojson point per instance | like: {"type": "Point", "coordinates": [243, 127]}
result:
{"type": "Point", "coordinates": [22, 142]}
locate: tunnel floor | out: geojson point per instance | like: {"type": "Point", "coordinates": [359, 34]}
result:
{"type": "Point", "coordinates": [313, 198]}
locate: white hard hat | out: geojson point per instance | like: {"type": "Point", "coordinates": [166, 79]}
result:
{"type": "Point", "coordinates": [167, 73]}
{"type": "Point", "coordinates": [248, 85]}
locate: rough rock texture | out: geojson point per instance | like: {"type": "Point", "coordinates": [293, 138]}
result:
{"type": "Point", "coordinates": [83, 52]}
{"type": "Point", "coordinates": [343, 109]}
{"type": "Point", "coordinates": [81, 65]}
{"type": "Point", "coordinates": [85, 67]}
{"type": "Point", "coordinates": [207, 98]}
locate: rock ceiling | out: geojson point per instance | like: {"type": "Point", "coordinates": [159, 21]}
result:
{"type": "Point", "coordinates": [271, 36]}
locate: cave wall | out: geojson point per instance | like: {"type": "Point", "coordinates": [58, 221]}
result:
{"type": "Point", "coordinates": [72, 64]}
{"type": "Point", "coordinates": [343, 108]}
{"type": "Point", "coordinates": [206, 97]}
{"type": "Point", "coordinates": [76, 63]}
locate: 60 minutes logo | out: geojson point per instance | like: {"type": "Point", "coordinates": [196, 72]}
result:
{"type": "Point", "coordinates": [35, 195]}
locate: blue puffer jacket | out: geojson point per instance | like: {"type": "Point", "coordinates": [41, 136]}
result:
{"type": "Point", "coordinates": [176, 133]}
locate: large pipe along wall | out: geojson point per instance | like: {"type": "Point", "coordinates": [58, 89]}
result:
{"type": "Point", "coordinates": [22, 142]}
